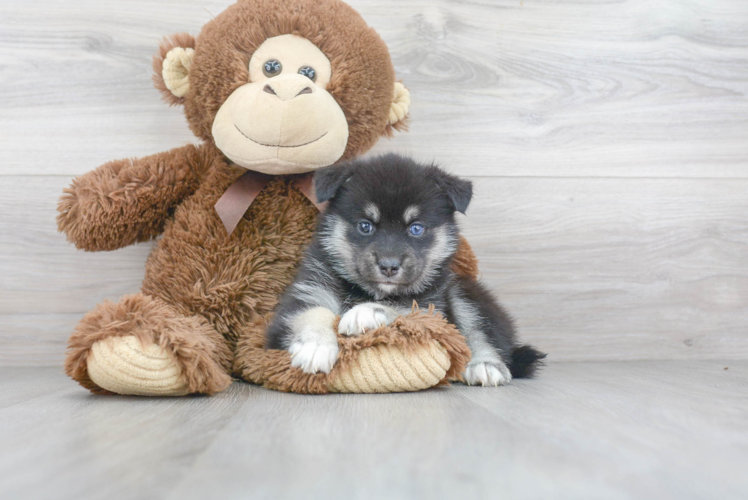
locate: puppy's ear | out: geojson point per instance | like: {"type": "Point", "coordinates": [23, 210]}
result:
{"type": "Point", "coordinates": [328, 180]}
{"type": "Point", "coordinates": [459, 191]}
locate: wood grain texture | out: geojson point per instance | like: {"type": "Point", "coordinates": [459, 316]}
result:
{"type": "Point", "coordinates": [607, 141]}
{"type": "Point", "coordinates": [133, 448]}
{"type": "Point", "coordinates": [500, 87]}
{"type": "Point", "coordinates": [618, 268]}
{"type": "Point", "coordinates": [581, 430]}
{"type": "Point", "coordinates": [628, 88]}
{"type": "Point", "coordinates": [590, 268]}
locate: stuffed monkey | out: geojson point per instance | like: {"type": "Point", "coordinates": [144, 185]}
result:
{"type": "Point", "coordinates": [274, 89]}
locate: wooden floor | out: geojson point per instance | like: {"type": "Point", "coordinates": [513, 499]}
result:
{"type": "Point", "coordinates": [647, 429]}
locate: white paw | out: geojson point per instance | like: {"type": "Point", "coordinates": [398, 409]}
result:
{"type": "Point", "coordinates": [361, 318]}
{"type": "Point", "coordinates": [314, 356]}
{"type": "Point", "coordinates": [487, 374]}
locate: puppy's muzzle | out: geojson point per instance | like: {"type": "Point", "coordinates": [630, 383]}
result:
{"type": "Point", "coordinates": [389, 267]}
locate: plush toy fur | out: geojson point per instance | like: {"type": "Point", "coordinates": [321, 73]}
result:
{"type": "Point", "coordinates": [416, 352]}
{"type": "Point", "coordinates": [207, 293]}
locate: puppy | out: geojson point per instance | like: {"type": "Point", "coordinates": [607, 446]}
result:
{"type": "Point", "coordinates": [386, 239]}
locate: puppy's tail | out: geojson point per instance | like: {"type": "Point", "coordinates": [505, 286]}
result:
{"type": "Point", "coordinates": [525, 361]}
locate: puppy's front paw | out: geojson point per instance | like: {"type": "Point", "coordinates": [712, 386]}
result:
{"type": "Point", "coordinates": [487, 374]}
{"type": "Point", "coordinates": [361, 318]}
{"type": "Point", "coordinates": [314, 356]}
{"type": "Point", "coordinates": [314, 346]}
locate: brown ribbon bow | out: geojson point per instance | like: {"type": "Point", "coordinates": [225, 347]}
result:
{"type": "Point", "coordinates": [233, 204]}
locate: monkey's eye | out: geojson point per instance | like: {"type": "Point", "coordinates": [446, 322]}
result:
{"type": "Point", "coordinates": [309, 72]}
{"type": "Point", "coordinates": [365, 227]}
{"type": "Point", "coordinates": [272, 68]}
{"type": "Point", "coordinates": [416, 229]}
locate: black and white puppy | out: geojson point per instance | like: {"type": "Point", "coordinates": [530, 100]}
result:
{"type": "Point", "coordinates": [386, 239]}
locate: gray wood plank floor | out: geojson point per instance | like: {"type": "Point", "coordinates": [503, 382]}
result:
{"type": "Point", "coordinates": [646, 429]}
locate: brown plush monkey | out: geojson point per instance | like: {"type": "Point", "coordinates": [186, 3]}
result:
{"type": "Point", "coordinates": [275, 87]}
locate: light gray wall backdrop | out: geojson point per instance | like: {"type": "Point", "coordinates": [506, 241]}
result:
{"type": "Point", "coordinates": [607, 140]}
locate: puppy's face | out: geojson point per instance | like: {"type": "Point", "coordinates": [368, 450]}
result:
{"type": "Point", "coordinates": [386, 248]}
{"type": "Point", "coordinates": [390, 227]}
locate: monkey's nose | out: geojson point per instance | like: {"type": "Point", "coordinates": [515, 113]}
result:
{"type": "Point", "coordinates": [286, 90]}
{"type": "Point", "coordinates": [389, 267]}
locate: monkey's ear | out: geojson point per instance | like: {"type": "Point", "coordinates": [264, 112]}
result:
{"type": "Point", "coordinates": [328, 180]}
{"type": "Point", "coordinates": [171, 67]}
{"type": "Point", "coordinates": [459, 191]}
{"type": "Point", "coordinates": [399, 108]}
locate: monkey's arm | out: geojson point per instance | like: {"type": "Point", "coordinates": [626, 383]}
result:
{"type": "Point", "coordinates": [465, 263]}
{"type": "Point", "coordinates": [127, 201]}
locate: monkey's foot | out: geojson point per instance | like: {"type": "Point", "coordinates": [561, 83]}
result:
{"type": "Point", "coordinates": [143, 346]}
{"type": "Point", "coordinates": [124, 366]}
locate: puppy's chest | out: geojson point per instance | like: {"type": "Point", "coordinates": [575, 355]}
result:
{"type": "Point", "coordinates": [353, 296]}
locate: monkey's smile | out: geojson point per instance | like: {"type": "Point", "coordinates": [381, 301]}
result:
{"type": "Point", "coordinates": [279, 145]}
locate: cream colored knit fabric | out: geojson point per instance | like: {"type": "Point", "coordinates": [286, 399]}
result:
{"type": "Point", "coordinates": [400, 104]}
{"type": "Point", "coordinates": [176, 70]}
{"type": "Point", "coordinates": [393, 369]}
{"type": "Point", "coordinates": [123, 366]}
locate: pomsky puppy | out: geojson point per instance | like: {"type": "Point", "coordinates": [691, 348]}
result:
{"type": "Point", "coordinates": [386, 239]}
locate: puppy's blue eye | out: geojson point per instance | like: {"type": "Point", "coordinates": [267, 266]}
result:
{"type": "Point", "coordinates": [416, 229]}
{"type": "Point", "coordinates": [365, 227]}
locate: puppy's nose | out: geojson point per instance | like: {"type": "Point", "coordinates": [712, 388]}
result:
{"type": "Point", "coordinates": [389, 267]}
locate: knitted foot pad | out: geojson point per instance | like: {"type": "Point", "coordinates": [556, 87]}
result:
{"type": "Point", "coordinates": [393, 369]}
{"type": "Point", "coordinates": [417, 351]}
{"type": "Point", "coordinates": [123, 366]}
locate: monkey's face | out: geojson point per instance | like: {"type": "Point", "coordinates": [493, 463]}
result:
{"type": "Point", "coordinates": [284, 121]}
{"type": "Point", "coordinates": [284, 87]}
